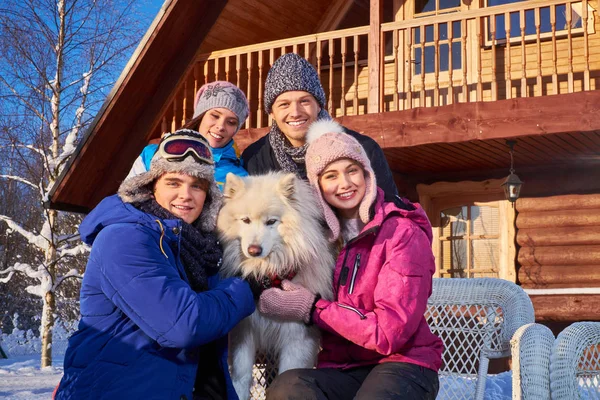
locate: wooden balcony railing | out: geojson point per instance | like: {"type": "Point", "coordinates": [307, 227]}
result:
{"type": "Point", "coordinates": [531, 48]}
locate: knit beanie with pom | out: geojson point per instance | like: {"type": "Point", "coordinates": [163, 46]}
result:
{"type": "Point", "coordinates": [219, 94]}
{"type": "Point", "coordinates": [328, 142]}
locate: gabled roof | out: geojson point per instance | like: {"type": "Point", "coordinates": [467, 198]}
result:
{"type": "Point", "coordinates": [134, 105]}
{"type": "Point", "coordinates": [132, 111]}
{"type": "Point", "coordinates": [422, 144]}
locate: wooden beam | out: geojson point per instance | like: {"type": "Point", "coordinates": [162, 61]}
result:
{"type": "Point", "coordinates": [374, 57]}
{"type": "Point", "coordinates": [570, 202]}
{"type": "Point", "coordinates": [559, 276]}
{"type": "Point", "coordinates": [533, 116]}
{"type": "Point", "coordinates": [160, 61]}
{"type": "Point", "coordinates": [560, 255]}
{"type": "Point", "coordinates": [566, 307]}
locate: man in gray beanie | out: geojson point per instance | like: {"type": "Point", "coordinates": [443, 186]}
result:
{"type": "Point", "coordinates": [294, 98]}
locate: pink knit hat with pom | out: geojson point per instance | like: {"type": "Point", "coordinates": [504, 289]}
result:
{"type": "Point", "coordinates": [328, 142]}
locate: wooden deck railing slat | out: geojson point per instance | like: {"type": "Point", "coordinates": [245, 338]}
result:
{"type": "Point", "coordinates": [570, 49]}
{"type": "Point", "coordinates": [507, 57]}
{"type": "Point", "coordinates": [494, 87]}
{"type": "Point", "coordinates": [523, 54]}
{"type": "Point", "coordinates": [538, 43]}
{"type": "Point", "coordinates": [586, 45]}
{"type": "Point", "coordinates": [554, 52]}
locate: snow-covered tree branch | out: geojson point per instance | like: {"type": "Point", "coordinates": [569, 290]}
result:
{"type": "Point", "coordinates": [58, 60]}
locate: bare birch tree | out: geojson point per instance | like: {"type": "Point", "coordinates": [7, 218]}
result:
{"type": "Point", "coordinates": [58, 60]}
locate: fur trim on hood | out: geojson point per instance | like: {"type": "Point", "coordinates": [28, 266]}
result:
{"type": "Point", "coordinates": [139, 188]}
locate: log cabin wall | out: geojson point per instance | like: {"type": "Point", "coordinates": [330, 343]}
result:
{"type": "Point", "coordinates": [555, 228]}
{"type": "Point", "coordinates": [559, 241]}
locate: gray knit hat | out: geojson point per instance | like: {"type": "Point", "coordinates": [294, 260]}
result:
{"type": "Point", "coordinates": [219, 94]}
{"type": "Point", "coordinates": [139, 188]}
{"type": "Point", "coordinates": [292, 72]}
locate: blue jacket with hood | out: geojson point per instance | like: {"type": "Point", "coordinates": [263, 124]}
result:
{"type": "Point", "coordinates": [143, 329]}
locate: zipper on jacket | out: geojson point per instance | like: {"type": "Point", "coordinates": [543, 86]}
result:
{"type": "Point", "coordinates": [343, 275]}
{"type": "Point", "coordinates": [354, 272]}
{"type": "Point", "coordinates": [362, 316]}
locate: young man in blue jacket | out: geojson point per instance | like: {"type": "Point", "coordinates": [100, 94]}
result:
{"type": "Point", "coordinates": [154, 313]}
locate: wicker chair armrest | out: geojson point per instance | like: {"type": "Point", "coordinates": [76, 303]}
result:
{"type": "Point", "coordinates": [531, 346]}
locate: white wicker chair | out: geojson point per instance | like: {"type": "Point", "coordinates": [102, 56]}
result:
{"type": "Point", "coordinates": [575, 362]}
{"type": "Point", "coordinates": [476, 319]}
{"type": "Point", "coordinates": [531, 347]}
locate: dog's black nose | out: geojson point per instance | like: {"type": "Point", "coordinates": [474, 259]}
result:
{"type": "Point", "coordinates": [254, 250]}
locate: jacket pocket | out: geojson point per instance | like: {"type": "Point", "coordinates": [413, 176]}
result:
{"type": "Point", "coordinates": [412, 277]}
{"type": "Point", "coordinates": [360, 314]}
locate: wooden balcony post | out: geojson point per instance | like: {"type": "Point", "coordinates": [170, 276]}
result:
{"type": "Point", "coordinates": [374, 60]}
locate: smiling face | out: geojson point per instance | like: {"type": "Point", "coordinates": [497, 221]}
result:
{"type": "Point", "coordinates": [218, 126]}
{"type": "Point", "coordinates": [182, 195]}
{"type": "Point", "coordinates": [294, 112]}
{"type": "Point", "coordinates": [343, 186]}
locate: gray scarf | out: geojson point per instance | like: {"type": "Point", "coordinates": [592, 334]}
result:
{"type": "Point", "coordinates": [291, 159]}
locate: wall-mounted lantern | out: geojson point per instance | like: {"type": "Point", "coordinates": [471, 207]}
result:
{"type": "Point", "coordinates": [512, 184]}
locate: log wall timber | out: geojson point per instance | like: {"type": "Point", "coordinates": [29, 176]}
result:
{"type": "Point", "coordinates": [559, 239]}
{"type": "Point", "coordinates": [566, 307]}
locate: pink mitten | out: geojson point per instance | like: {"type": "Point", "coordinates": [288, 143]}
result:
{"type": "Point", "coordinates": [294, 302]}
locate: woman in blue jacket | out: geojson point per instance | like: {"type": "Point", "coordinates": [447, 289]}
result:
{"type": "Point", "coordinates": [154, 313]}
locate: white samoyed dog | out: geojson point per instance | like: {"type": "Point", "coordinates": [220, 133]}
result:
{"type": "Point", "coordinates": [271, 229]}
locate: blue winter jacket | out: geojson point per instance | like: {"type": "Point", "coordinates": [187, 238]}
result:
{"type": "Point", "coordinates": [226, 159]}
{"type": "Point", "coordinates": [142, 327]}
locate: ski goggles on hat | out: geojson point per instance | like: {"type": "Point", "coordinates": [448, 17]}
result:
{"type": "Point", "coordinates": [177, 147]}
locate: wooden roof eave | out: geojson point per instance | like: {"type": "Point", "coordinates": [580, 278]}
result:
{"type": "Point", "coordinates": [135, 104]}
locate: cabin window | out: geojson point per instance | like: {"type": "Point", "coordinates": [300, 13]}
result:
{"type": "Point", "coordinates": [469, 240]}
{"type": "Point", "coordinates": [444, 45]}
{"type": "Point", "coordinates": [473, 229]}
{"type": "Point", "coordinates": [424, 8]}
{"type": "Point", "coordinates": [545, 17]}
{"type": "Point", "coordinates": [435, 7]}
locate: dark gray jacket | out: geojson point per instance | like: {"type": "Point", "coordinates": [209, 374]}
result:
{"type": "Point", "coordinates": [259, 158]}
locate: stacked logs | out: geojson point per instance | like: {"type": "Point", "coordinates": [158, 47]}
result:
{"type": "Point", "coordinates": [559, 239]}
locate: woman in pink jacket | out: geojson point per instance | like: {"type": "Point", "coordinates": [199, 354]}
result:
{"type": "Point", "coordinates": [376, 343]}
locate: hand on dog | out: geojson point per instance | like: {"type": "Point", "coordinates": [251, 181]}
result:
{"type": "Point", "coordinates": [256, 287]}
{"type": "Point", "coordinates": [292, 302]}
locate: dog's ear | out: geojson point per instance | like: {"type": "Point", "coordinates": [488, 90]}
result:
{"type": "Point", "coordinates": [233, 185]}
{"type": "Point", "coordinates": [287, 186]}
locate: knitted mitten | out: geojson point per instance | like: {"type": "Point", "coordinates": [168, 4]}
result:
{"type": "Point", "coordinates": [293, 303]}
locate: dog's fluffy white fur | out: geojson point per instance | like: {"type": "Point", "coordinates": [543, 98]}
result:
{"type": "Point", "coordinates": [279, 215]}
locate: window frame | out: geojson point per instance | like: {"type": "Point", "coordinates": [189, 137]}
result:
{"type": "Point", "coordinates": [439, 196]}
{"type": "Point", "coordinates": [532, 37]}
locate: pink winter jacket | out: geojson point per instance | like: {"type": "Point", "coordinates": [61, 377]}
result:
{"type": "Point", "coordinates": [381, 284]}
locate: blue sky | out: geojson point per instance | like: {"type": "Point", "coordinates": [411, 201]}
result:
{"type": "Point", "coordinates": [152, 8]}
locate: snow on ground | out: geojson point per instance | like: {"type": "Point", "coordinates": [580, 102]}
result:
{"type": "Point", "coordinates": [22, 379]}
